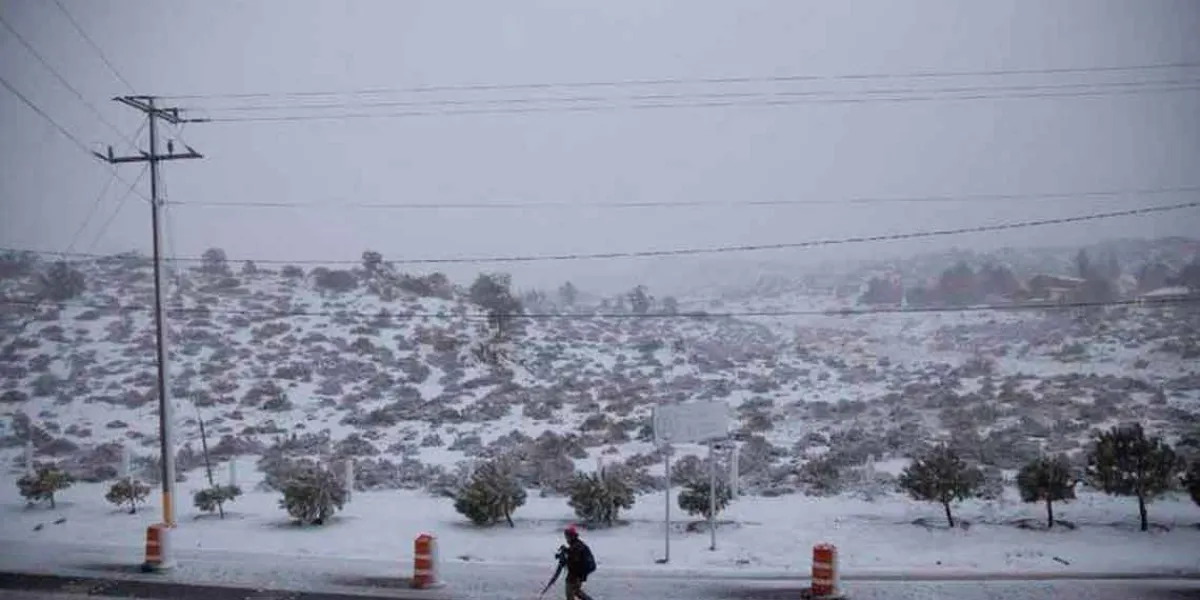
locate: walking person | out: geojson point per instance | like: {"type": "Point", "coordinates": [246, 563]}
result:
{"type": "Point", "coordinates": [576, 558]}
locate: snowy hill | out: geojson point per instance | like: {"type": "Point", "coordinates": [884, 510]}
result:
{"type": "Point", "coordinates": [413, 386]}
{"type": "Point", "coordinates": [264, 353]}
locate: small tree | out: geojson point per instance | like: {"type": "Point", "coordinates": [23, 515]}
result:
{"type": "Point", "coordinates": [372, 260]}
{"type": "Point", "coordinates": [43, 484]}
{"type": "Point", "coordinates": [311, 493]}
{"type": "Point", "coordinates": [128, 491]}
{"type": "Point", "coordinates": [639, 300]}
{"type": "Point", "coordinates": [1124, 462]}
{"type": "Point", "coordinates": [1046, 480]}
{"type": "Point", "coordinates": [1191, 481]}
{"type": "Point", "coordinates": [941, 476]}
{"type": "Point", "coordinates": [214, 262]}
{"type": "Point", "coordinates": [339, 281]}
{"type": "Point", "coordinates": [214, 498]}
{"type": "Point", "coordinates": [821, 477]}
{"type": "Point", "coordinates": [670, 306]}
{"type": "Point", "coordinates": [492, 493]}
{"type": "Point", "coordinates": [61, 282]}
{"type": "Point", "coordinates": [694, 499]}
{"type": "Point", "coordinates": [599, 497]}
{"type": "Point", "coordinates": [568, 294]}
{"type": "Point", "coordinates": [493, 292]}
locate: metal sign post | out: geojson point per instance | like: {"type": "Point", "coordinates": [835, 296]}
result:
{"type": "Point", "coordinates": [667, 522]}
{"type": "Point", "coordinates": [734, 455]}
{"type": "Point", "coordinates": [692, 422]}
{"type": "Point", "coordinates": [712, 496]}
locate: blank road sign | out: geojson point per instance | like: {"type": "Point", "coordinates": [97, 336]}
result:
{"type": "Point", "coordinates": [691, 422]}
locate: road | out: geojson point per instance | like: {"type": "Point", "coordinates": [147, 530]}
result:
{"type": "Point", "coordinates": [48, 588]}
{"type": "Point", "coordinates": [97, 572]}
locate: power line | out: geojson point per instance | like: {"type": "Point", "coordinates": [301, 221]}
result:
{"type": "Point", "coordinates": [695, 315]}
{"type": "Point", "coordinates": [48, 118]}
{"type": "Point", "coordinates": [1096, 86]}
{"type": "Point", "coordinates": [711, 104]}
{"type": "Point", "coordinates": [723, 249]}
{"type": "Point", "coordinates": [96, 204]}
{"type": "Point", "coordinates": [1084, 195]}
{"type": "Point", "coordinates": [116, 211]}
{"type": "Point", "coordinates": [63, 130]}
{"type": "Point", "coordinates": [63, 80]}
{"type": "Point", "coordinates": [703, 80]}
{"type": "Point", "coordinates": [95, 47]}
{"type": "Point", "coordinates": [91, 212]}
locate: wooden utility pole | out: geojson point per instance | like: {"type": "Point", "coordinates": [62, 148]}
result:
{"type": "Point", "coordinates": [153, 113]}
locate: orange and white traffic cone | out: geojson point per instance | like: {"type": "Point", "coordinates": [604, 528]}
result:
{"type": "Point", "coordinates": [157, 548]}
{"type": "Point", "coordinates": [825, 578]}
{"type": "Point", "coordinates": [425, 563]}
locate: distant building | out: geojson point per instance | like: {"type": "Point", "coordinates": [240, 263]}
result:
{"type": "Point", "coordinates": [1166, 294]}
{"type": "Point", "coordinates": [1053, 288]}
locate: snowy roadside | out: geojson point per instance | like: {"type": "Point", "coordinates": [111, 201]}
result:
{"type": "Point", "coordinates": [764, 538]}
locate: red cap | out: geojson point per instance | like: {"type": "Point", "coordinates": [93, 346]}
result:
{"type": "Point", "coordinates": [571, 531]}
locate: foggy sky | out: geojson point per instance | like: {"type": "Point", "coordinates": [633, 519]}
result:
{"type": "Point", "coordinates": [813, 151]}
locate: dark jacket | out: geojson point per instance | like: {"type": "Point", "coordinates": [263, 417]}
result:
{"type": "Point", "coordinates": [578, 559]}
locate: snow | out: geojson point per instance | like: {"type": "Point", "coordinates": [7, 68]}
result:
{"type": "Point", "coordinates": [756, 535]}
{"type": "Point", "coordinates": [1166, 292]}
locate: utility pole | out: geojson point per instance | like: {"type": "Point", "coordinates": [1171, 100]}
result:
{"type": "Point", "coordinates": [153, 113]}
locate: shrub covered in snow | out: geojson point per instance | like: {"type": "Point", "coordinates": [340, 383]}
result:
{"type": "Point", "coordinates": [941, 476]}
{"type": "Point", "coordinates": [128, 491]}
{"type": "Point", "coordinates": [1049, 480]}
{"type": "Point", "coordinates": [695, 497]}
{"type": "Point", "coordinates": [42, 485]}
{"type": "Point", "coordinates": [821, 477]}
{"type": "Point", "coordinates": [1124, 462]}
{"type": "Point", "coordinates": [311, 493]}
{"type": "Point", "coordinates": [1191, 481]}
{"type": "Point", "coordinates": [213, 499]}
{"type": "Point", "coordinates": [599, 497]}
{"type": "Point", "coordinates": [493, 493]}
{"type": "Point", "coordinates": [61, 282]}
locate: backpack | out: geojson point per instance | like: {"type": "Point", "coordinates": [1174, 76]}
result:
{"type": "Point", "coordinates": [589, 561]}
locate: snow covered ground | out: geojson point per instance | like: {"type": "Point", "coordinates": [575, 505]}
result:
{"type": "Point", "coordinates": [408, 386]}
{"type": "Point", "coordinates": [759, 537]}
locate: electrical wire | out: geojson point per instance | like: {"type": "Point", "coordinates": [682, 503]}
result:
{"type": "Point", "coordinates": [695, 315]}
{"type": "Point", "coordinates": [95, 47]}
{"type": "Point", "coordinates": [63, 130]}
{"type": "Point", "coordinates": [1084, 195]}
{"type": "Point", "coordinates": [1095, 86]}
{"type": "Point", "coordinates": [42, 113]}
{"type": "Point", "coordinates": [116, 211]}
{"type": "Point", "coordinates": [729, 249]}
{"type": "Point", "coordinates": [666, 105]}
{"type": "Point", "coordinates": [169, 227]}
{"type": "Point", "coordinates": [924, 74]}
{"type": "Point", "coordinates": [87, 220]}
{"type": "Point", "coordinates": [96, 203]}
{"type": "Point", "coordinates": [63, 80]}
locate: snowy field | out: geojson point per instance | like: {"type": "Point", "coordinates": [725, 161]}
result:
{"type": "Point", "coordinates": [758, 536]}
{"type": "Point", "coordinates": [404, 386]}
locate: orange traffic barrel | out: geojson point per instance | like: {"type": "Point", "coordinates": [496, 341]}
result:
{"type": "Point", "coordinates": [824, 571]}
{"type": "Point", "coordinates": [425, 563]}
{"type": "Point", "coordinates": [157, 537]}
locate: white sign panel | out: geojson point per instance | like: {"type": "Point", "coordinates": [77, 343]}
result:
{"type": "Point", "coordinates": [691, 422]}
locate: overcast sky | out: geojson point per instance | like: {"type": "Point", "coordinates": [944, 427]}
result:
{"type": "Point", "coordinates": [826, 151]}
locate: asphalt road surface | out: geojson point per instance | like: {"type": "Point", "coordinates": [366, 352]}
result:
{"type": "Point", "coordinates": [81, 571]}
{"type": "Point", "coordinates": [51, 587]}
